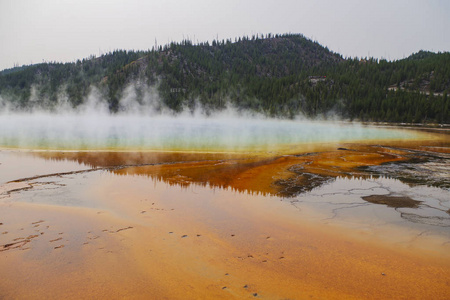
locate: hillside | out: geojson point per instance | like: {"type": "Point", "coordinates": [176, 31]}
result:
{"type": "Point", "coordinates": [277, 75]}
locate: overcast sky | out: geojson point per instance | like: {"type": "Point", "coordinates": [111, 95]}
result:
{"type": "Point", "coordinates": [32, 31]}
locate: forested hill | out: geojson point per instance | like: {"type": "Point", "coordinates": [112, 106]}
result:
{"type": "Point", "coordinates": [277, 75]}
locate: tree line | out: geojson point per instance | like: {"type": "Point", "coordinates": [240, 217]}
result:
{"type": "Point", "coordinates": [277, 75]}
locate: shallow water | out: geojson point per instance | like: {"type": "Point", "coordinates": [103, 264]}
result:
{"type": "Point", "coordinates": [70, 181]}
{"type": "Point", "coordinates": [344, 201]}
{"type": "Point", "coordinates": [16, 164]}
{"type": "Point", "coordinates": [220, 225]}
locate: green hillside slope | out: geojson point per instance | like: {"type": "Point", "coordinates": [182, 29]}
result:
{"type": "Point", "coordinates": [277, 75]}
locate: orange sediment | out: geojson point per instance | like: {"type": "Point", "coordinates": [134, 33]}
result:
{"type": "Point", "coordinates": [203, 246]}
{"type": "Point", "coordinates": [209, 227]}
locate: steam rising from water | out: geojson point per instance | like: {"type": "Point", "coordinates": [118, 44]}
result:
{"type": "Point", "coordinates": [148, 124]}
{"type": "Point", "coordinates": [222, 132]}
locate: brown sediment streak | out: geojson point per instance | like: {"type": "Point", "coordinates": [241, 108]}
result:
{"type": "Point", "coordinates": [120, 229]}
{"type": "Point", "coordinates": [393, 201]}
{"type": "Point", "coordinates": [55, 175]}
{"type": "Point", "coordinates": [17, 243]}
{"type": "Point", "coordinates": [14, 245]}
{"type": "Point", "coordinates": [8, 190]}
{"type": "Point", "coordinates": [58, 239]}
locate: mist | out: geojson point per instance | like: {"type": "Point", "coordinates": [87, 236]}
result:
{"type": "Point", "coordinates": [149, 125]}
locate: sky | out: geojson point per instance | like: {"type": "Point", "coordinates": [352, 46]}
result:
{"type": "Point", "coordinates": [34, 31]}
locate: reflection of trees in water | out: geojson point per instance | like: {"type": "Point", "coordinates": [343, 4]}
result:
{"type": "Point", "coordinates": [302, 172]}
{"type": "Point", "coordinates": [223, 174]}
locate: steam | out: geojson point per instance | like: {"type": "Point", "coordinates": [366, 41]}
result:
{"type": "Point", "coordinates": [144, 123]}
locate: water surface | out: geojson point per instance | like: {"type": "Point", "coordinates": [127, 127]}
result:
{"type": "Point", "coordinates": [189, 225]}
{"type": "Point", "coordinates": [128, 132]}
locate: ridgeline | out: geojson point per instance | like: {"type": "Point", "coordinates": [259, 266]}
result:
{"type": "Point", "coordinates": [277, 75]}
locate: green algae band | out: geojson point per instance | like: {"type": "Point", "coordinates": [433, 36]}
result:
{"type": "Point", "coordinates": [131, 132]}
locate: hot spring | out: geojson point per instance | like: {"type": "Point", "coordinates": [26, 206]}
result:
{"type": "Point", "coordinates": [218, 207]}
{"type": "Point", "coordinates": [183, 133]}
